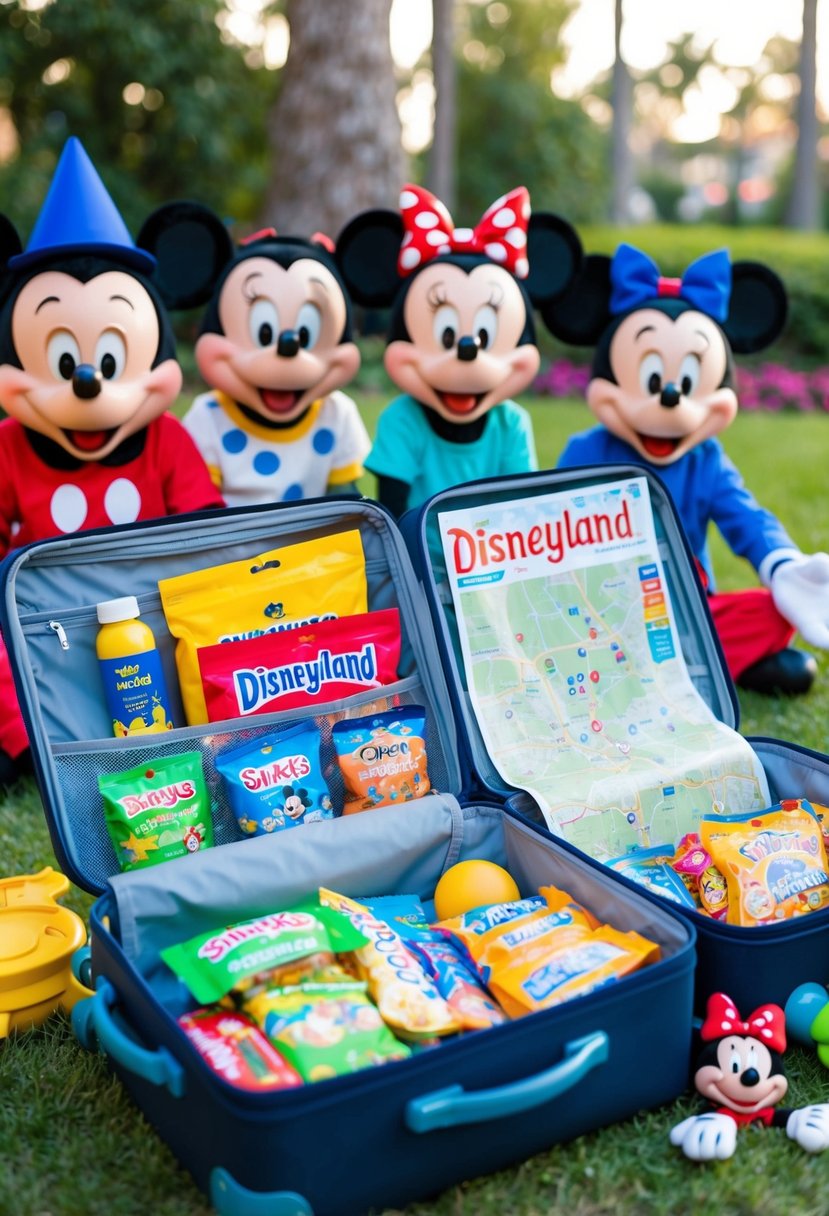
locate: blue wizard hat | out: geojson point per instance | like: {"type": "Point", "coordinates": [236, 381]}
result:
{"type": "Point", "coordinates": [78, 216]}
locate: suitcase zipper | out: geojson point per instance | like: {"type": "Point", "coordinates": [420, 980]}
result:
{"type": "Point", "coordinates": [61, 634]}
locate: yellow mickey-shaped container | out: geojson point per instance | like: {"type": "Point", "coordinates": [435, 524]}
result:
{"type": "Point", "coordinates": [38, 938]}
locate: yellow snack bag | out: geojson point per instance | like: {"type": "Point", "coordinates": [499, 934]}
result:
{"type": "Point", "coordinates": [408, 999]}
{"type": "Point", "coordinates": [774, 861]}
{"type": "Point", "coordinates": [537, 952]}
{"type": "Point", "coordinates": [301, 584]}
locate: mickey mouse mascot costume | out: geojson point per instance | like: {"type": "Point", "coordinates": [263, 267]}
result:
{"type": "Point", "coordinates": [461, 338]}
{"type": "Point", "coordinates": [662, 388]}
{"type": "Point", "coordinates": [87, 371]}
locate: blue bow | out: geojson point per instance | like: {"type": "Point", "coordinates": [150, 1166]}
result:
{"type": "Point", "coordinates": [635, 280]}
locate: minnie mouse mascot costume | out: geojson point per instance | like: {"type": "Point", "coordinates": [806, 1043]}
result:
{"type": "Point", "coordinates": [87, 371]}
{"type": "Point", "coordinates": [461, 339]}
{"type": "Point", "coordinates": [662, 388]}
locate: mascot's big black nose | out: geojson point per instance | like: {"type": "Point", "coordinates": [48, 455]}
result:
{"type": "Point", "coordinates": [670, 395]}
{"type": "Point", "coordinates": [86, 381]}
{"type": "Point", "coordinates": [288, 343]}
{"type": "Point", "coordinates": [468, 348]}
{"type": "Point", "coordinates": [750, 1077]}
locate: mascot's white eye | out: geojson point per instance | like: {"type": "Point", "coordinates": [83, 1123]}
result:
{"type": "Point", "coordinates": [651, 374]}
{"type": "Point", "coordinates": [263, 323]}
{"type": "Point", "coordinates": [111, 355]}
{"type": "Point", "coordinates": [485, 326]}
{"type": "Point", "coordinates": [445, 326]}
{"type": "Point", "coordinates": [689, 375]}
{"type": "Point", "coordinates": [63, 354]}
{"type": "Point", "coordinates": [309, 324]}
{"type": "Point", "coordinates": [735, 1062]}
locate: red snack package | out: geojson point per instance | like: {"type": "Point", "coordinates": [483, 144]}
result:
{"type": "Point", "coordinates": [235, 1048]}
{"type": "Point", "coordinates": [297, 668]}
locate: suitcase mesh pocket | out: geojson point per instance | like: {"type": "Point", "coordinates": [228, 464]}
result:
{"type": "Point", "coordinates": [78, 766]}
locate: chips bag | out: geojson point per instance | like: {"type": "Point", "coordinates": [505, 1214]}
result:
{"type": "Point", "coordinates": [652, 869]}
{"type": "Point", "coordinates": [276, 782]}
{"type": "Point", "coordinates": [237, 1050]}
{"type": "Point", "coordinates": [157, 810]}
{"type": "Point", "coordinates": [774, 861]}
{"type": "Point", "coordinates": [212, 964]}
{"type": "Point", "coordinates": [300, 667]}
{"type": "Point", "coordinates": [382, 758]}
{"type": "Point", "coordinates": [301, 584]}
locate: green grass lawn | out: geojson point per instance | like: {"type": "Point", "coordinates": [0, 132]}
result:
{"type": "Point", "coordinates": [71, 1143]}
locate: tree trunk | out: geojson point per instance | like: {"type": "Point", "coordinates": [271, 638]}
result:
{"type": "Point", "coordinates": [621, 167]}
{"type": "Point", "coordinates": [804, 204]}
{"type": "Point", "coordinates": [334, 130]}
{"type": "Point", "coordinates": [441, 173]}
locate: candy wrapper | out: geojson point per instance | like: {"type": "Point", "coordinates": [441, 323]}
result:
{"type": "Point", "coordinates": [157, 811]}
{"type": "Point", "coordinates": [276, 782]}
{"type": "Point", "coordinates": [652, 869]}
{"type": "Point", "coordinates": [237, 1050]}
{"type": "Point", "coordinates": [382, 758]}
{"type": "Point", "coordinates": [301, 667]}
{"type": "Point", "coordinates": [301, 584]}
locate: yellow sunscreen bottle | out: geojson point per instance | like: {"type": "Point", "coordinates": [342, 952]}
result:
{"type": "Point", "coordinates": [130, 664]}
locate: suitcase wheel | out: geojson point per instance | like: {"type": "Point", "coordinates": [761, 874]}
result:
{"type": "Point", "coordinates": [230, 1198]}
{"type": "Point", "coordinates": [453, 1106]}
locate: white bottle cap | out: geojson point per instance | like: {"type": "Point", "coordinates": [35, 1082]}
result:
{"type": "Point", "coordinates": [124, 609]}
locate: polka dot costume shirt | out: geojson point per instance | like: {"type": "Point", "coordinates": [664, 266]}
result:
{"type": "Point", "coordinates": [254, 464]}
{"type": "Point", "coordinates": [37, 501]}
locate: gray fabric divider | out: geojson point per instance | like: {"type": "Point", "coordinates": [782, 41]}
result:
{"type": "Point", "coordinates": [379, 852]}
{"type": "Point", "coordinates": [793, 774]}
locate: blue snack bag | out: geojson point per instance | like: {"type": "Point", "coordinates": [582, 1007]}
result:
{"type": "Point", "coordinates": [276, 781]}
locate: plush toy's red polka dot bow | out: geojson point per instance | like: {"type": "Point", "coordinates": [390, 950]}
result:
{"type": "Point", "coordinates": [767, 1023]}
{"type": "Point", "coordinates": [429, 230]}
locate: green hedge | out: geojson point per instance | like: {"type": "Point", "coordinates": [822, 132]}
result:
{"type": "Point", "coordinates": [801, 259]}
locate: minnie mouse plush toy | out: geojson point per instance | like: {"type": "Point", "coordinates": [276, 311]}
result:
{"type": "Point", "coordinates": [461, 339]}
{"type": "Point", "coordinates": [662, 389]}
{"type": "Point", "coordinates": [87, 371]}
{"type": "Point", "coordinates": [740, 1070]}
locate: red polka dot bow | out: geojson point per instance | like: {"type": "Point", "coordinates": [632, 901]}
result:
{"type": "Point", "coordinates": [429, 230]}
{"type": "Point", "coordinates": [767, 1023]}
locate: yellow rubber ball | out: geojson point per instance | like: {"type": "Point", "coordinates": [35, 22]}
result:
{"type": "Point", "coordinates": [469, 884]}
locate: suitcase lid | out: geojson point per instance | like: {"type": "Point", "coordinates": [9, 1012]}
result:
{"type": "Point", "coordinates": [48, 594]}
{"type": "Point", "coordinates": [692, 619]}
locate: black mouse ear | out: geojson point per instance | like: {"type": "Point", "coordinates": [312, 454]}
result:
{"type": "Point", "coordinates": [581, 313]}
{"type": "Point", "coordinates": [367, 250]}
{"type": "Point", "coordinates": [10, 244]}
{"type": "Point", "coordinates": [191, 246]}
{"type": "Point", "coordinates": [757, 308]}
{"type": "Point", "coordinates": [555, 255]}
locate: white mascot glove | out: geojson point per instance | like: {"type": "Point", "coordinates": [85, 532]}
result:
{"type": "Point", "coordinates": [799, 586]}
{"type": "Point", "coordinates": [809, 1126]}
{"type": "Point", "coordinates": [710, 1137]}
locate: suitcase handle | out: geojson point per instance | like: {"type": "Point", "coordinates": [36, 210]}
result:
{"type": "Point", "coordinates": [94, 1020]}
{"type": "Point", "coordinates": [452, 1107]}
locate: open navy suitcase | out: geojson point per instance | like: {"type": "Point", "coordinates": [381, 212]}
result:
{"type": "Point", "coordinates": [752, 964]}
{"type": "Point", "coordinates": [387, 1135]}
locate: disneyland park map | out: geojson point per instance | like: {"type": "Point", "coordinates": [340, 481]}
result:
{"type": "Point", "coordinates": [575, 673]}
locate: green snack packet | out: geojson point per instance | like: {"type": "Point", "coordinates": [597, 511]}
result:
{"type": "Point", "coordinates": [326, 1030]}
{"type": "Point", "coordinates": [214, 963]}
{"type": "Point", "coordinates": [157, 810]}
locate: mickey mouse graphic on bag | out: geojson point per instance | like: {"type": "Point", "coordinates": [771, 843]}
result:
{"type": "Point", "coordinates": [662, 388]}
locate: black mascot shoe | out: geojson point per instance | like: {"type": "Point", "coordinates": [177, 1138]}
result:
{"type": "Point", "coordinates": [788, 673]}
{"type": "Point", "coordinates": [12, 769]}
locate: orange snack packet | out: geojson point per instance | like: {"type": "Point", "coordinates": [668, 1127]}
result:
{"type": "Point", "coordinates": [382, 758]}
{"type": "Point", "coordinates": [537, 952]}
{"type": "Point", "coordinates": [774, 862]}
